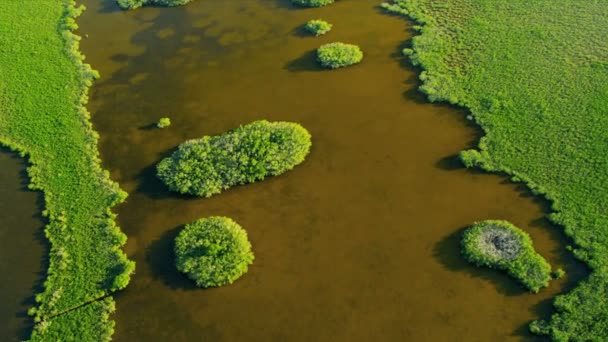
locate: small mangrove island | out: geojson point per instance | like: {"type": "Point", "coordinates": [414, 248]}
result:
{"type": "Point", "coordinates": [312, 3]}
{"type": "Point", "coordinates": [133, 4]}
{"type": "Point", "coordinates": [207, 166]}
{"type": "Point", "coordinates": [213, 251]}
{"type": "Point", "coordinates": [318, 27]}
{"type": "Point", "coordinates": [338, 55]}
{"type": "Point", "coordinates": [500, 245]}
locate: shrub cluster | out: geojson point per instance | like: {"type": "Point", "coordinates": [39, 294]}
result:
{"type": "Point", "coordinates": [312, 3]}
{"type": "Point", "coordinates": [132, 4]}
{"type": "Point", "coordinates": [163, 123]}
{"type": "Point", "coordinates": [213, 251]}
{"type": "Point", "coordinates": [318, 27]}
{"type": "Point", "coordinates": [501, 245]}
{"type": "Point", "coordinates": [206, 166]}
{"type": "Point", "coordinates": [338, 55]}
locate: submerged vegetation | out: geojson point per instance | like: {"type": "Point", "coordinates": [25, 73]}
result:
{"type": "Point", "coordinates": [43, 91]}
{"type": "Point", "coordinates": [312, 3]}
{"type": "Point", "coordinates": [213, 251]}
{"type": "Point", "coordinates": [534, 76]}
{"type": "Point", "coordinates": [501, 245]}
{"type": "Point", "coordinates": [206, 166]}
{"type": "Point", "coordinates": [318, 27]}
{"type": "Point", "coordinates": [132, 4]}
{"type": "Point", "coordinates": [339, 55]}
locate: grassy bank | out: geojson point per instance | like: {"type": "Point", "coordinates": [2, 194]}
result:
{"type": "Point", "coordinates": [43, 90]}
{"type": "Point", "coordinates": [534, 75]}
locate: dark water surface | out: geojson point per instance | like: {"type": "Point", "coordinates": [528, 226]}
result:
{"type": "Point", "coordinates": [361, 242]}
{"type": "Point", "coordinates": [22, 248]}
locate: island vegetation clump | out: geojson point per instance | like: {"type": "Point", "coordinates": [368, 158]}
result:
{"type": "Point", "coordinates": [500, 245]}
{"type": "Point", "coordinates": [206, 166]}
{"type": "Point", "coordinates": [312, 3]}
{"type": "Point", "coordinates": [43, 117]}
{"type": "Point", "coordinates": [542, 105]}
{"type": "Point", "coordinates": [163, 123]}
{"type": "Point", "coordinates": [213, 251]}
{"type": "Point", "coordinates": [339, 55]}
{"type": "Point", "coordinates": [132, 4]}
{"type": "Point", "coordinates": [318, 27]}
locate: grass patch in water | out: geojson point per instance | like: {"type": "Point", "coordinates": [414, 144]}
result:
{"type": "Point", "coordinates": [501, 245]}
{"type": "Point", "coordinates": [534, 75]}
{"type": "Point", "coordinates": [207, 166]}
{"type": "Point", "coordinates": [43, 90]}
{"type": "Point", "coordinates": [213, 251]}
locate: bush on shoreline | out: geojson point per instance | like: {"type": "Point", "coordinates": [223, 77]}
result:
{"type": "Point", "coordinates": [318, 27]}
{"type": "Point", "coordinates": [339, 55]}
{"type": "Point", "coordinates": [206, 166]}
{"type": "Point", "coordinates": [501, 245]}
{"type": "Point", "coordinates": [213, 251]}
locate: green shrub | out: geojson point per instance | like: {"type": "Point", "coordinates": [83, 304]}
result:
{"type": "Point", "coordinates": [318, 27]}
{"type": "Point", "coordinates": [396, 7]}
{"type": "Point", "coordinates": [501, 245]}
{"type": "Point", "coordinates": [163, 123]}
{"type": "Point", "coordinates": [338, 55]}
{"type": "Point", "coordinates": [312, 3]}
{"type": "Point", "coordinates": [558, 273]}
{"type": "Point", "coordinates": [132, 4]}
{"type": "Point", "coordinates": [213, 251]}
{"type": "Point", "coordinates": [206, 166]}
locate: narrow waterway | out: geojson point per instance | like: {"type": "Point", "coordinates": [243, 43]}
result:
{"type": "Point", "coordinates": [22, 248]}
{"type": "Point", "coordinates": [361, 241]}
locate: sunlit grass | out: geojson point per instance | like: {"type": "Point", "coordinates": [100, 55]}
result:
{"type": "Point", "coordinates": [534, 75]}
{"type": "Point", "coordinates": [43, 90]}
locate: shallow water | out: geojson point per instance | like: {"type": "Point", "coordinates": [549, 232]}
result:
{"type": "Point", "coordinates": [22, 247]}
{"type": "Point", "coordinates": [362, 240]}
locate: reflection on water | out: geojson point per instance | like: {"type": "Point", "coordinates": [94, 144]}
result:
{"type": "Point", "coordinates": [359, 242]}
{"type": "Point", "coordinates": [22, 248]}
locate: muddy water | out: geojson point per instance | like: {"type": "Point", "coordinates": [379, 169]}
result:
{"type": "Point", "coordinates": [361, 241]}
{"type": "Point", "coordinates": [21, 248]}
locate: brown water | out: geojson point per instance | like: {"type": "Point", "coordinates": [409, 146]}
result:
{"type": "Point", "coordinates": [21, 248]}
{"type": "Point", "coordinates": [362, 240]}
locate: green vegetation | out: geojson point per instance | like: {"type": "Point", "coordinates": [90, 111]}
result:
{"type": "Point", "coordinates": [558, 274]}
{"type": "Point", "coordinates": [43, 90]}
{"type": "Point", "coordinates": [318, 27]}
{"type": "Point", "coordinates": [206, 166]}
{"type": "Point", "coordinates": [534, 76]}
{"type": "Point", "coordinates": [501, 245]}
{"type": "Point", "coordinates": [163, 123]}
{"type": "Point", "coordinates": [338, 55]}
{"type": "Point", "coordinates": [132, 4]}
{"type": "Point", "coordinates": [90, 322]}
{"type": "Point", "coordinates": [213, 251]}
{"type": "Point", "coordinates": [312, 3]}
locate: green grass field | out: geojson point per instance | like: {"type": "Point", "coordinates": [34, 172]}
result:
{"type": "Point", "coordinates": [43, 89]}
{"type": "Point", "coordinates": [534, 75]}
